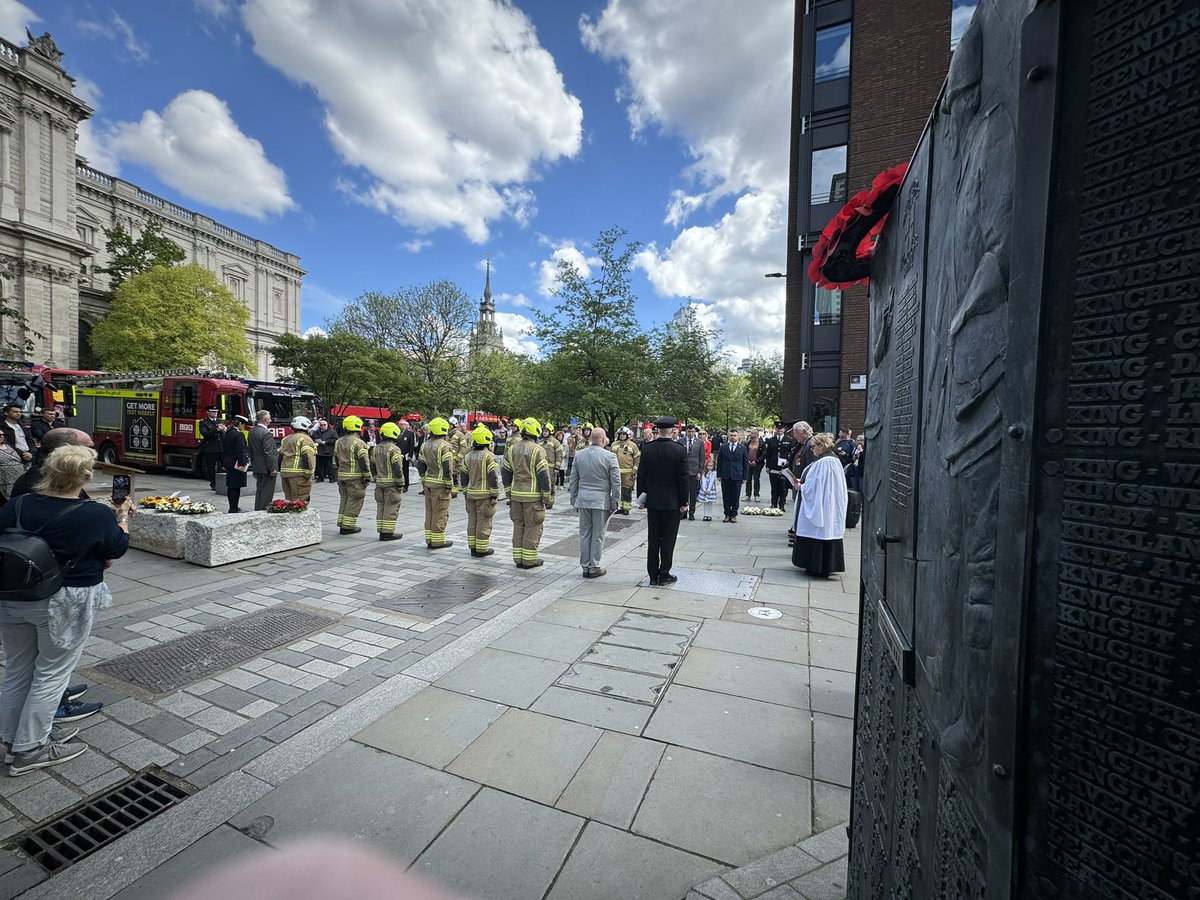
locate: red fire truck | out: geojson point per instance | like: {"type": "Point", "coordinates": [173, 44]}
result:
{"type": "Point", "coordinates": [152, 418]}
{"type": "Point", "coordinates": [32, 385]}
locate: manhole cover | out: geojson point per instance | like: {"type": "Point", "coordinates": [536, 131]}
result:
{"type": "Point", "coordinates": [188, 659]}
{"type": "Point", "coordinates": [433, 599]}
{"type": "Point", "coordinates": [570, 546]}
{"type": "Point", "coordinates": [705, 581]}
{"type": "Point", "coordinates": [634, 660]}
{"type": "Point", "coordinates": [620, 524]}
{"type": "Point", "coordinates": [84, 830]}
{"type": "Point", "coordinates": [764, 612]}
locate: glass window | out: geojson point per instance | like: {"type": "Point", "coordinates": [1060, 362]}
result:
{"type": "Point", "coordinates": [827, 306]}
{"type": "Point", "coordinates": [829, 175]}
{"type": "Point", "coordinates": [833, 53]}
{"type": "Point", "coordinates": [183, 401]}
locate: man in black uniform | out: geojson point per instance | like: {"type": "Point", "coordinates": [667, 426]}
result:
{"type": "Point", "coordinates": [212, 431]}
{"type": "Point", "coordinates": [662, 476]}
{"type": "Point", "coordinates": [777, 449]}
{"type": "Point", "coordinates": [407, 442]}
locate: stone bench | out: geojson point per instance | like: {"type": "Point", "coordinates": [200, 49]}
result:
{"type": "Point", "coordinates": [156, 532]}
{"type": "Point", "coordinates": [217, 539]}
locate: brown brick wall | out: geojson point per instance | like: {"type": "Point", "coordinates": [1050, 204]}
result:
{"type": "Point", "coordinates": [898, 59]}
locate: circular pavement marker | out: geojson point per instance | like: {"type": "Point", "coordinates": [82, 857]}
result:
{"type": "Point", "coordinates": [764, 612]}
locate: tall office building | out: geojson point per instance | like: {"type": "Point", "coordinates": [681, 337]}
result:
{"type": "Point", "coordinates": [865, 75]}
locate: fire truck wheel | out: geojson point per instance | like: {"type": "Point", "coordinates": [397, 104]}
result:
{"type": "Point", "coordinates": [108, 454]}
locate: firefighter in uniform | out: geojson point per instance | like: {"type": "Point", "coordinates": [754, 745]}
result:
{"type": "Point", "coordinates": [438, 472]}
{"type": "Point", "coordinates": [354, 471]}
{"type": "Point", "coordinates": [554, 455]}
{"type": "Point", "coordinates": [298, 461]}
{"type": "Point", "coordinates": [483, 490]}
{"type": "Point", "coordinates": [458, 446]}
{"type": "Point", "coordinates": [388, 460]}
{"type": "Point", "coordinates": [527, 480]}
{"type": "Point", "coordinates": [628, 457]}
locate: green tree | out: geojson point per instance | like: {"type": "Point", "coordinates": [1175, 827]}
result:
{"type": "Point", "coordinates": [345, 368]}
{"type": "Point", "coordinates": [429, 324]}
{"type": "Point", "coordinates": [732, 406]}
{"type": "Point", "coordinates": [688, 366]}
{"type": "Point", "coordinates": [599, 360]}
{"type": "Point", "coordinates": [173, 318]}
{"type": "Point", "coordinates": [498, 382]}
{"type": "Point", "coordinates": [765, 385]}
{"type": "Point", "coordinates": [129, 257]}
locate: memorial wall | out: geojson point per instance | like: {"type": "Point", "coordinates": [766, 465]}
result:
{"type": "Point", "coordinates": [1028, 719]}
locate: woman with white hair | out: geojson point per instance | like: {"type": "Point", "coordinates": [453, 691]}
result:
{"type": "Point", "coordinates": [43, 639]}
{"type": "Point", "coordinates": [821, 512]}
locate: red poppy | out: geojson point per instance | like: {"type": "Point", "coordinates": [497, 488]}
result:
{"type": "Point", "coordinates": [842, 257]}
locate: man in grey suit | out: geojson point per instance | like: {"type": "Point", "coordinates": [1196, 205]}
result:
{"type": "Point", "coordinates": [264, 459]}
{"type": "Point", "coordinates": [595, 488]}
{"type": "Point", "coordinates": [695, 457]}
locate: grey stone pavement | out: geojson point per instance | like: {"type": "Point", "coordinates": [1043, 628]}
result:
{"type": "Point", "coordinates": [556, 737]}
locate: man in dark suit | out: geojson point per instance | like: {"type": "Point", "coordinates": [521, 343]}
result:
{"type": "Point", "coordinates": [662, 476]}
{"type": "Point", "coordinates": [733, 465]}
{"type": "Point", "coordinates": [264, 459]}
{"type": "Point", "coordinates": [694, 455]}
{"type": "Point", "coordinates": [407, 442]}
{"type": "Point", "coordinates": [778, 449]}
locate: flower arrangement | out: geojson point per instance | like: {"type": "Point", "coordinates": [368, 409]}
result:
{"type": "Point", "coordinates": [842, 257]}
{"type": "Point", "coordinates": [750, 511]}
{"type": "Point", "coordinates": [162, 504]}
{"type": "Point", "coordinates": [772, 512]}
{"type": "Point", "coordinates": [190, 508]}
{"type": "Point", "coordinates": [286, 506]}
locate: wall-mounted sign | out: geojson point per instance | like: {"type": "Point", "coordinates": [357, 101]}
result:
{"type": "Point", "coordinates": [858, 382]}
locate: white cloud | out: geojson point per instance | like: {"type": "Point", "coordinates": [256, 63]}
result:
{"type": "Point", "coordinates": [722, 267]}
{"type": "Point", "coordinates": [217, 9]}
{"type": "Point", "coordinates": [15, 18]}
{"type": "Point", "coordinates": [416, 245]}
{"type": "Point", "coordinates": [319, 303]}
{"type": "Point", "coordinates": [548, 268]}
{"type": "Point", "coordinates": [960, 18]}
{"type": "Point", "coordinates": [88, 143]}
{"type": "Point", "coordinates": [118, 30]}
{"type": "Point", "coordinates": [315, 331]}
{"type": "Point", "coordinates": [717, 73]}
{"type": "Point", "coordinates": [515, 325]}
{"type": "Point", "coordinates": [445, 124]}
{"type": "Point", "coordinates": [196, 147]}
{"type": "Point", "coordinates": [518, 300]}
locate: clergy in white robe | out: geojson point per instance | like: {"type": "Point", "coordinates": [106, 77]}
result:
{"type": "Point", "coordinates": [820, 520]}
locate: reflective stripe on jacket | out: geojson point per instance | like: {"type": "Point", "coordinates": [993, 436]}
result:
{"type": "Point", "coordinates": [388, 460]}
{"type": "Point", "coordinates": [436, 462]}
{"type": "Point", "coordinates": [628, 456]}
{"type": "Point", "coordinates": [483, 474]}
{"type": "Point", "coordinates": [353, 457]}
{"type": "Point", "coordinates": [526, 473]}
{"type": "Point", "coordinates": [297, 454]}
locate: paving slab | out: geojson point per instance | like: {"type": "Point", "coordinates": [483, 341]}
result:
{"type": "Point", "coordinates": [832, 691]}
{"type": "Point", "coordinates": [594, 709]}
{"type": "Point", "coordinates": [610, 784]}
{"type": "Point", "coordinates": [528, 754]}
{"type": "Point", "coordinates": [826, 883]}
{"type": "Point", "coordinates": [546, 641]}
{"type": "Point", "coordinates": [607, 590]}
{"type": "Point", "coordinates": [678, 603]}
{"type": "Point", "coordinates": [361, 793]}
{"type": "Point", "coordinates": [831, 805]}
{"type": "Point", "coordinates": [622, 636]}
{"type": "Point", "coordinates": [646, 621]}
{"type": "Point", "coordinates": [830, 652]}
{"type": "Point", "coordinates": [745, 676]}
{"type": "Point", "coordinates": [791, 617]}
{"type": "Point", "coordinates": [645, 661]}
{"type": "Point", "coordinates": [509, 678]}
{"type": "Point", "coordinates": [633, 686]}
{"type": "Point", "coordinates": [838, 601]}
{"type": "Point", "coordinates": [723, 809]}
{"type": "Point", "coordinates": [762, 733]}
{"type": "Point", "coordinates": [501, 847]}
{"type": "Point", "coordinates": [831, 736]}
{"type": "Point", "coordinates": [216, 849]}
{"type": "Point", "coordinates": [592, 615]}
{"type": "Point", "coordinates": [432, 727]}
{"type": "Point", "coordinates": [837, 623]}
{"type": "Point", "coordinates": [771, 871]}
{"type": "Point", "coordinates": [753, 640]}
{"type": "Point", "coordinates": [607, 863]}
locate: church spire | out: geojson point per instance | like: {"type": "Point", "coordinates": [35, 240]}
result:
{"type": "Point", "coordinates": [487, 286]}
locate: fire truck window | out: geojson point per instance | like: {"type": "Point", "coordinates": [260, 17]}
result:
{"type": "Point", "coordinates": [282, 408]}
{"type": "Point", "coordinates": [183, 401]}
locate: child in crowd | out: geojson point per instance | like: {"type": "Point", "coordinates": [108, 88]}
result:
{"type": "Point", "coordinates": [708, 487]}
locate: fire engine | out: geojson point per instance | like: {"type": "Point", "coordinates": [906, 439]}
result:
{"type": "Point", "coordinates": [31, 385]}
{"type": "Point", "coordinates": [153, 418]}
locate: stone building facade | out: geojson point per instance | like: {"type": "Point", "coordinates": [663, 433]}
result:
{"type": "Point", "coordinates": [54, 209]}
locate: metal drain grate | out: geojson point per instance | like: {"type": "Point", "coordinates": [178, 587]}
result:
{"type": "Point", "coordinates": [99, 822]}
{"type": "Point", "coordinates": [188, 659]}
{"type": "Point", "coordinates": [570, 546]}
{"type": "Point", "coordinates": [433, 599]}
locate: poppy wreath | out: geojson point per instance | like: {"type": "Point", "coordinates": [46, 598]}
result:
{"type": "Point", "coordinates": [842, 257]}
{"type": "Point", "coordinates": [286, 506]}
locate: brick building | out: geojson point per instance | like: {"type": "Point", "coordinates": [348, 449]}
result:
{"type": "Point", "coordinates": [865, 75]}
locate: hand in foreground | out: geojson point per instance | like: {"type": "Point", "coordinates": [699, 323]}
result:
{"type": "Point", "coordinates": [683, 510]}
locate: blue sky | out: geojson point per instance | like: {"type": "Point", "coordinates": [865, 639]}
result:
{"type": "Point", "coordinates": [394, 142]}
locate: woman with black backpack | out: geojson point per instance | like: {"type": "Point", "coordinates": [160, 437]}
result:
{"type": "Point", "coordinates": [43, 638]}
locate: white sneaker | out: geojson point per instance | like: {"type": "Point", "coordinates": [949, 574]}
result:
{"type": "Point", "coordinates": [58, 734]}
